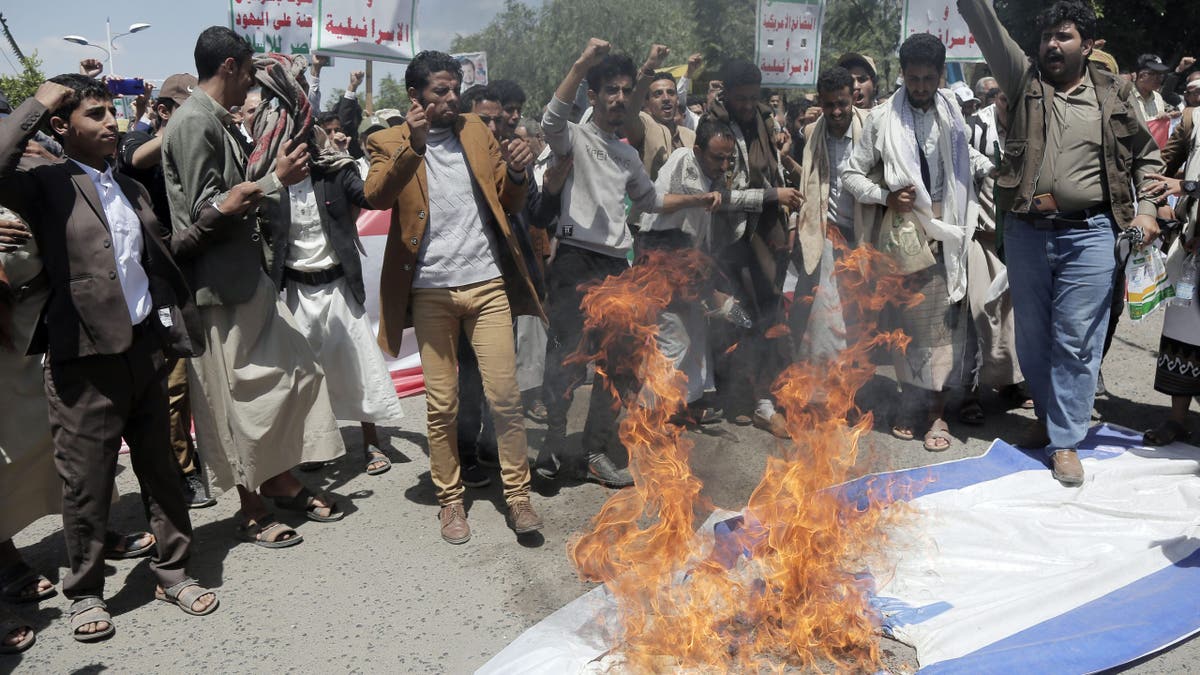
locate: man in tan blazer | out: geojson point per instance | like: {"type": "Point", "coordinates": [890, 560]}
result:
{"type": "Point", "coordinates": [453, 263]}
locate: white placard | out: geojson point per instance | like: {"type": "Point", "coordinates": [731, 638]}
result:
{"type": "Point", "coordinates": [941, 18]}
{"type": "Point", "coordinates": [789, 41]}
{"type": "Point", "coordinates": [382, 30]}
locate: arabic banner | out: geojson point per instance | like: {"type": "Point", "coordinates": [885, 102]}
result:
{"type": "Point", "coordinates": [273, 25]}
{"type": "Point", "coordinates": [474, 67]}
{"type": "Point", "coordinates": [789, 41]}
{"type": "Point", "coordinates": [367, 29]}
{"type": "Point", "coordinates": [941, 18]}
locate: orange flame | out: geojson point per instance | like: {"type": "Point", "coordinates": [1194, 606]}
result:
{"type": "Point", "coordinates": [794, 599]}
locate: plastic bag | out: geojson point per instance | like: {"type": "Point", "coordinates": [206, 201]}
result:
{"type": "Point", "coordinates": [1146, 285]}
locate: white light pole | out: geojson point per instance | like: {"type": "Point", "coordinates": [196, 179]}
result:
{"type": "Point", "coordinates": [108, 53]}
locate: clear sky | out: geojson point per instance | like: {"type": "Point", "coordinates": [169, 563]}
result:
{"type": "Point", "coordinates": [166, 47]}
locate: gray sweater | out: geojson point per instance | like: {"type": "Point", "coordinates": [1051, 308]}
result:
{"type": "Point", "coordinates": [605, 171]}
{"type": "Point", "coordinates": [459, 248]}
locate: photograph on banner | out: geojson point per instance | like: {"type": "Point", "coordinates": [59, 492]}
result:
{"type": "Point", "coordinates": [474, 68]}
{"type": "Point", "coordinates": [941, 18]}
{"type": "Point", "coordinates": [272, 26]}
{"type": "Point", "coordinates": [381, 31]}
{"type": "Point", "coordinates": [789, 41]}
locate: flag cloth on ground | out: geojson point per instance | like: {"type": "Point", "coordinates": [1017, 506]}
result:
{"type": "Point", "coordinates": [1001, 568]}
{"type": "Point", "coordinates": [406, 368]}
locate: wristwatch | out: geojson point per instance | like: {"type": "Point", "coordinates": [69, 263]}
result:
{"type": "Point", "coordinates": [1190, 187]}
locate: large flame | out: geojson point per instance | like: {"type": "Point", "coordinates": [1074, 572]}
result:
{"type": "Point", "coordinates": [795, 598]}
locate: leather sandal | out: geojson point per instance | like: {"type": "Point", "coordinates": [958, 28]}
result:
{"type": "Point", "coordinates": [90, 610]}
{"type": "Point", "coordinates": [19, 584]}
{"type": "Point", "coordinates": [185, 594]}
{"type": "Point", "coordinates": [305, 501]}
{"type": "Point", "coordinates": [268, 533]}
{"type": "Point", "coordinates": [11, 624]}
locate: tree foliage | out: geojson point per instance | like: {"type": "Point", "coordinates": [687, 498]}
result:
{"type": "Point", "coordinates": [391, 94]}
{"type": "Point", "coordinates": [536, 46]}
{"type": "Point", "coordinates": [20, 87]}
{"type": "Point", "coordinates": [1169, 28]}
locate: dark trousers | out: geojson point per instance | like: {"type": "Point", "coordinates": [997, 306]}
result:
{"type": "Point", "coordinates": [571, 267]}
{"type": "Point", "coordinates": [475, 426]}
{"type": "Point", "coordinates": [95, 401]}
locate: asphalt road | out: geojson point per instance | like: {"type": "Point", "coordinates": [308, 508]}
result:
{"type": "Point", "coordinates": [380, 591]}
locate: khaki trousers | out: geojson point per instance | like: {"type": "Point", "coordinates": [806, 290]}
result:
{"type": "Point", "coordinates": [181, 416]}
{"type": "Point", "coordinates": [481, 312]}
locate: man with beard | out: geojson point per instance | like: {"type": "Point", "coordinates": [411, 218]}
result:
{"type": "Point", "coordinates": [866, 81]}
{"type": "Point", "coordinates": [914, 158]}
{"type": "Point", "coordinates": [1075, 148]}
{"type": "Point", "coordinates": [271, 412]}
{"type": "Point", "coordinates": [650, 121]}
{"type": "Point", "coordinates": [750, 239]}
{"type": "Point", "coordinates": [453, 265]}
{"type": "Point", "coordinates": [594, 243]}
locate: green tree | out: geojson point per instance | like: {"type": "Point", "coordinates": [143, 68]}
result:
{"type": "Point", "coordinates": [870, 27]}
{"type": "Point", "coordinates": [20, 87]}
{"type": "Point", "coordinates": [391, 94]}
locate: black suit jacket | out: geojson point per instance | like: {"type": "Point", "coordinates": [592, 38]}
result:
{"type": "Point", "coordinates": [338, 194]}
{"type": "Point", "coordinates": [86, 313]}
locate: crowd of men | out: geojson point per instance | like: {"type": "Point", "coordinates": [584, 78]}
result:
{"type": "Point", "coordinates": [204, 269]}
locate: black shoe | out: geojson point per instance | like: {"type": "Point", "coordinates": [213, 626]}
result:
{"type": "Point", "coordinates": [601, 470]}
{"type": "Point", "coordinates": [195, 492]}
{"type": "Point", "coordinates": [488, 455]}
{"type": "Point", "coordinates": [547, 464]}
{"type": "Point", "coordinates": [474, 477]}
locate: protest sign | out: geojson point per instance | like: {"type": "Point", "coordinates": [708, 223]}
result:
{"type": "Point", "coordinates": [383, 31]}
{"type": "Point", "coordinates": [941, 18]}
{"type": "Point", "coordinates": [474, 67]}
{"type": "Point", "coordinates": [788, 41]}
{"type": "Point", "coordinates": [272, 26]}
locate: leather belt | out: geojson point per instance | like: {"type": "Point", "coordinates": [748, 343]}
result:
{"type": "Point", "coordinates": [1063, 220]}
{"type": "Point", "coordinates": [314, 278]}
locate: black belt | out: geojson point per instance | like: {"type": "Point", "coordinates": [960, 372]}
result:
{"type": "Point", "coordinates": [314, 278]}
{"type": "Point", "coordinates": [1063, 220]}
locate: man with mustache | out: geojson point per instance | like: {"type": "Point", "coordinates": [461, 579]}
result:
{"type": "Point", "coordinates": [593, 242]}
{"type": "Point", "coordinates": [1074, 149]}
{"type": "Point", "coordinates": [650, 122]}
{"type": "Point", "coordinates": [862, 69]}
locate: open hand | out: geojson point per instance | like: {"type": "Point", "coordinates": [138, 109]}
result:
{"type": "Point", "coordinates": [418, 124]}
{"type": "Point", "coordinates": [13, 234]}
{"type": "Point", "coordinates": [291, 166]}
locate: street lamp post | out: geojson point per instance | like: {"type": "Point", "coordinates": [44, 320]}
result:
{"type": "Point", "coordinates": [110, 38]}
{"type": "Point", "coordinates": [108, 53]}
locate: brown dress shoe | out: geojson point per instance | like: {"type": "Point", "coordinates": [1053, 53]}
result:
{"type": "Point", "coordinates": [523, 518]}
{"type": "Point", "coordinates": [453, 518]}
{"type": "Point", "coordinates": [1067, 469]}
{"type": "Point", "coordinates": [774, 424]}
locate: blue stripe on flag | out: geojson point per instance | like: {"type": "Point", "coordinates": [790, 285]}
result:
{"type": "Point", "coordinates": [1143, 617]}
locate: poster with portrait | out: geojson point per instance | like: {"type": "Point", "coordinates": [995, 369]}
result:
{"type": "Point", "coordinates": [474, 67]}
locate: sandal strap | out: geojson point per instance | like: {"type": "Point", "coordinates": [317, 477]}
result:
{"type": "Point", "coordinates": [186, 592]}
{"type": "Point", "coordinates": [174, 591]}
{"type": "Point", "coordinates": [85, 604]}
{"type": "Point", "coordinates": [273, 525]}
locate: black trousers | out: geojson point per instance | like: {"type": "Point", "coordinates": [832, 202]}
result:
{"type": "Point", "coordinates": [95, 401]}
{"type": "Point", "coordinates": [571, 267]}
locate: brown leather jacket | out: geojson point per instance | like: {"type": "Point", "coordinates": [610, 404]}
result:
{"type": "Point", "coordinates": [397, 181]}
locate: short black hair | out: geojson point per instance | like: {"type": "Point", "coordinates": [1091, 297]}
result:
{"type": "Point", "coordinates": [82, 88]}
{"type": "Point", "coordinates": [796, 109]}
{"type": "Point", "coordinates": [509, 92]}
{"type": "Point", "coordinates": [480, 92]}
{"type": "Point", "coordinates": [709, 129]}
{"type": "Point", "coordinates": [923, 49]}
{"type": "Point", "coordinates": [216, 44]}
{"type": "Point", "coordinates": [327, 117]}
{"type": "Point", "coordinates": [834, 79]}
{"type": "Point", "coordinates": [1077, 12]}
{"type": "Point", "coordinates": [612, 66]}
{"type": "Point", "coordinates": [739, 72]}
{"type": "Point", "coordinates": [425, 64]}
{"type": "Point", "coordinates": [663, 76]}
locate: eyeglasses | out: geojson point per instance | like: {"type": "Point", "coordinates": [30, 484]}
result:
{"type": "Point", "coordinates": [489, 120]}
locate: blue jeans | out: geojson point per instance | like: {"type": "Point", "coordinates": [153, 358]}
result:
{"type": "Point", "coordinates": [1062, 284]}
